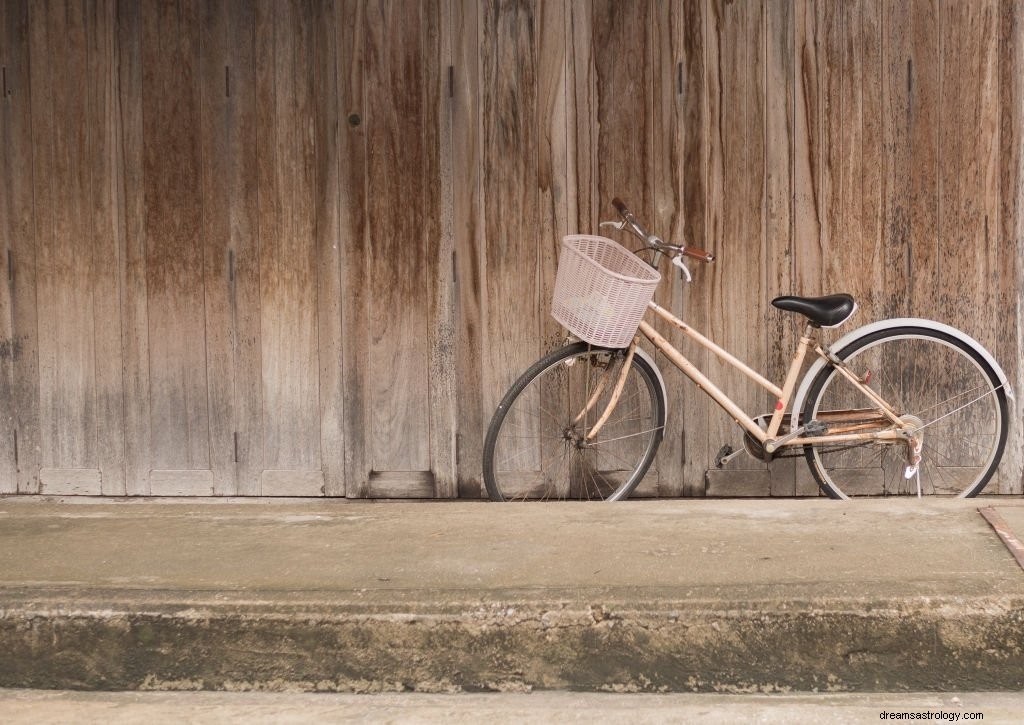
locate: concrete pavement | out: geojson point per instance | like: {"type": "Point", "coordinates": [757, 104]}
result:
{"type": "Point", "coordinates": [653, 596]}
{"type": "Point", "coordinates": [46, 707]}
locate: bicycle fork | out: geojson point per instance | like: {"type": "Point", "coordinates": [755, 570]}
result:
{"type": "Point", "coordinates": [613, 400]}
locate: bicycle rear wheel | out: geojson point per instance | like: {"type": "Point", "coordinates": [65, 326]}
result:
{"type": "Point", "coordinates": [937, 381]}
{"type": "Point", "coordinates": [535, 447]}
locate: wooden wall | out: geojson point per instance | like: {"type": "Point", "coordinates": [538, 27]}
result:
{"type": "Point", "coordinates": [301, 247]}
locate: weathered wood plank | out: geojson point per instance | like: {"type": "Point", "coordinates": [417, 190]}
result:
{"type": "Point", "coordinates": [65, 178]}
{"type": "Point", "coordinates": [687, 404]}
{"type": "Point", "coordinates": [466, 228]}
{"type": "Point", "coordinates": [613, 85]}
{"type": "Point", "coordinates": [131, 231]}
{"type": "Point", "coordinates": [897, 89]}
{"type": "Point", "coordinates": [1011, 222]}
{"type": "Point", "coordinates": [224, 114]}
{"type": "Point", "coordinates": [402, 484]}
{"type": "Point", "coordinates": [287, 230]}
{"type": "Point", "coordinates": [293, 482]}
{"type": "Point", "coordinates": [353, 232]}
{"type": "Point", "coordinates": [105, 223]}
{"type": "Point", "coordinates": [509, 150]}
{"type": "Point", "coordinates": [970, 258]}
{"type": "Point", "coordinates": [807, 272]}
{"type": "Point", "coordinates": [329, 281]}
{"type": "Point", "coordinates": [523, 63]}
{"type": "Point", "coordinates": [403, 78]}
{"type": "Point", "coordinates": [179, 384]}
{"type": "Point", "coordinates": [740, 483]}
{"type": "Point", "coordinates": [781, 330]}
{"type": "Point", "coordinates": [71, 481]}
{"type": "Point", "coordinates": [19, 373]}
{"type": "Point", "coordinates": [736, 219]}
{"type": "Point", "coordinates": [185, 482]}
{"type": "Point", "coordinates": [925, 108]}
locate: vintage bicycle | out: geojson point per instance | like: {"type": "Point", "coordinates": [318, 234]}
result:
{"type": "Point", "coordinates": [899, 406]}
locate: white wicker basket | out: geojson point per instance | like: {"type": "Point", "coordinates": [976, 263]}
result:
{"type": "Point", "coordinates": [601, 290]}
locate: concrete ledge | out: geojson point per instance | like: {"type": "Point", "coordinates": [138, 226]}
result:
{"type": "Point", "coordinates": [510, 644]}
{"type": "Point", "coordinates": [657, 597]}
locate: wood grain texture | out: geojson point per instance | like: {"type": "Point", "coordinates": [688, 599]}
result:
{"type": "Point", "coordinates": [230, 252]}
{"type": "Point", "coordinates": [354, 249]}
{"type": "Point", "coordinates": [328, 244]}
{"type": "Point", "coordinates": [467, 226]}
{"type": "Point", "coordinates": [317, 238]}
{"type": "Point", "coordinates": [403, 82]}
{"type": "Point", "coordinates": [736, 202]}
{"type": "Point", "coordinates": [178, 379]}
{"type": "Point", "coordinates": [19, 373]}
{"type": "Point", "coordinates": [781, 330]}
{"type": "Point", "coordinates": [287, 233]}
{"type": "Point", "coordinates": [132, 273]}
{"type": "Point", "coordinates": [1011, 221]}
{"type": "Point", "coordinates": [77, 252]}
{"type": "Point", "coordinates": [106, 225]}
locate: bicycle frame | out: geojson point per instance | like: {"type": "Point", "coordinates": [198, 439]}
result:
{"type": "Point", "coordinates": [862, 424]}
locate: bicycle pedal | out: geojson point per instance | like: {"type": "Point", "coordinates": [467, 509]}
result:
{"type": "Point", "coordinates": [725, 454]}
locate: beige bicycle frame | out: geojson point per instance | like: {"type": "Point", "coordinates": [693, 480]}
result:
{"type": "Point", "coordinates": [859, 428]}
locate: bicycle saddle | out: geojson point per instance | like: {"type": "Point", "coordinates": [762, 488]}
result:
{"type": "Point", "coordinates": [829, 311]}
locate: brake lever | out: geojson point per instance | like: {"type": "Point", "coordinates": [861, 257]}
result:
{"type": "Point", "coordinates": [685, 271]}
{"type": "Point", "coordinates": [619, 226]}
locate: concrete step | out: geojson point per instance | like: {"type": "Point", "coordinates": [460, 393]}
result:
{"type": "Point", "coordinates": [658, 596]}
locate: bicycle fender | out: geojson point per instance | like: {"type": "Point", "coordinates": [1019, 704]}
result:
{"type": "Point", "coordinates": [812, 372]}
{"type": "Point", "coordinates": [657, 373]}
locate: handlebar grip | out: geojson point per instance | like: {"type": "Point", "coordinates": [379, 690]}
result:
{"type": "Point", "coordinates": [699, 254]}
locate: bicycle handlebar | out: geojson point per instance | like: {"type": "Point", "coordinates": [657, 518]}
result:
{"type": "Point", "coordinates": [650, 240]}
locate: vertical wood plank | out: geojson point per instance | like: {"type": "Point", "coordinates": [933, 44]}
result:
{"type": "Point", "coordinates": [355, 243]}
{"type": "Point", "coordinates": [806, 152]}
{"type": "Point", "coordinates": [925, 104]}
{"type": "Point", "coordinates": [1011, 213]}
{"type": "Point", "coordinates": [131, 231]}
{"type": "Point", "coordinates": [180, 433]}
{"type": "Point", "coordinates": [897, 105]}
{"type": "Point", "coordinates": [287, 232]}
{"type": "Point", "coordinates": [851, 153]}
{"type": "Point", "coordinates": [738, 294]}
{"type": "Point", "coordinates": [105, 223]}
{"type": "Point", "coordinates": [328, 245]}
{"type": "Point", "coordinates": [969, 272]}
{"type": "Point", "coordinates": [65, 182]}
{"type": "Point", "coordinates": [230, 253]}
{"type": "Point", "coordinates": [403, 79]}
{"type": "Point", "coordinates": [467, 228]}
{"type": "Point", "coordinates": [19, 372]}
{"type": "Point", "coordinates": [677, 59]}
{"type": "Point", "coordinates": [613, 81]}
{"type": "Point", "coordinates": [443, 330]}
{"type": "Point", "coordinates": [781, 330]}
{"type": "Point", "coordinates": [692, 299]}
{"type": "Point", "coordinates": [509, 155]}
{"type": "Point", "coordinates": [968, 175]}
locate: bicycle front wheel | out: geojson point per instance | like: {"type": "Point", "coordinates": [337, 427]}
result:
{"type": "Point", "coordinates": [941, 385]}
{"type": "Point", "coordinates": [537, 445]}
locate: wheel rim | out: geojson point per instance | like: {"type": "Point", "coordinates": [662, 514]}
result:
{"type": "Point", "coordinates": [936, 381]}
{"type": "Point", "coordinates": [541, 453]}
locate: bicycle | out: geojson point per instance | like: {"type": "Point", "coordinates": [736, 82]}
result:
{"type": "Point", "coordinates": [869, 415]}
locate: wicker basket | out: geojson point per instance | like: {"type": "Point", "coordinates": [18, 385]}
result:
{"type": "Point", "coordinates": [602, 290]}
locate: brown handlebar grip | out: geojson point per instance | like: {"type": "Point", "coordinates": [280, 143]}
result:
{"type": "Point", "coordinates": [699, 254]}
{"type": "Point", "coordinates": [620, 206]}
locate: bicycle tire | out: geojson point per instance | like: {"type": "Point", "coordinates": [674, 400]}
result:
{"type": "Point", "coordinates": [535, 451]}
{"type": "Point", "coordinates": [950, 388]}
